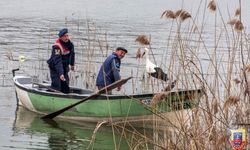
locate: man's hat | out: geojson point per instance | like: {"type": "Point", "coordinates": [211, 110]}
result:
{"type": "Point", "coordinates": [122, 48]}
{"type": "Point", "coordinates": [62, 32]}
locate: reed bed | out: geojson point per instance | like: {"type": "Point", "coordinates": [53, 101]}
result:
{"type": "Point", "coordinates": [224, 79]}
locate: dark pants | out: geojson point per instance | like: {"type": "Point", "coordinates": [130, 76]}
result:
{"type": "Point", "coordinates": [57, 83]}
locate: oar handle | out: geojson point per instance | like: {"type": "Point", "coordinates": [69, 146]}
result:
{"type": "Point", "coordinates": [113, 85]}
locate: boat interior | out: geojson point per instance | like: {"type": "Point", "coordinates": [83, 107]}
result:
{"type": "Point", "coordinates": [35, 84]}
{"type": "Point", "coordinates": [45, 86]}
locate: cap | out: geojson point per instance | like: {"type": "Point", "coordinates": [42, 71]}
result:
{"type": "Point", "coordinates": [62, 32]}
{"type": "Point", "coordinates": [122, 48]}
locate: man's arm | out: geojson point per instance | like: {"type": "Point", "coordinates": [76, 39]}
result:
{"type": "Point", "coordinates": [72, 58]}
{"type": "Point", "coordinates": [115, 66]}
{"type": "Point", "coordinates": [116, 71]}
{"type": "Point", "coordinates": [57, 59]}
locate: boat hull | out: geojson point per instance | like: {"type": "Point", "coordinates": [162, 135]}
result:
{"type": "Point", "coordinates": [104, 107]}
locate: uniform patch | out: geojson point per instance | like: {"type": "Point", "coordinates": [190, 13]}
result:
{"type": "Point", "coordinates": [57, 51]}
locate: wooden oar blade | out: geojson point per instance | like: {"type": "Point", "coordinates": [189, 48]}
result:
{"type": "Point", "coordinates": [107, 88]}
{"type": "Point", "coordinates": [56, 113]}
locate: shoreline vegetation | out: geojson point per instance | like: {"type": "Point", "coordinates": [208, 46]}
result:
{"type": "Point", "coordinates": [192, 59]}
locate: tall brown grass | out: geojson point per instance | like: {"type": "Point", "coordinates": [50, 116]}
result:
{"type": "Point", "coordinates": [226, 99]}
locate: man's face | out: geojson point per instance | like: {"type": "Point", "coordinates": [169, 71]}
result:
{"type": "Point", "coordinates": [120, 53]}
{"type": "Point", "coordinates": [65, 37]}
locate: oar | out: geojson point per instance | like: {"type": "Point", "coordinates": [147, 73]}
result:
{"type": "Point", "coordinates": [103, 90]}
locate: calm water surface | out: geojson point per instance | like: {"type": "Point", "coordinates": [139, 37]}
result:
{"type": "Point", "coordinates": [28, 28]}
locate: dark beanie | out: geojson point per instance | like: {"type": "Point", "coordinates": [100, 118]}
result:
{"type": "Point", "coordinates": [121, 48]}
{"type": "Point", "coordinates": [62, 32]}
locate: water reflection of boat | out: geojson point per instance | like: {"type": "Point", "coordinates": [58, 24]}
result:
{"type": "Point", "coordinates": [104, 107]}
{"type": "Point", "coordinates": [62, 134]}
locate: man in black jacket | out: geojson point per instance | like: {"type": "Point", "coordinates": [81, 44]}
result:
{"type": "Point", "coordinates": [61, 61]}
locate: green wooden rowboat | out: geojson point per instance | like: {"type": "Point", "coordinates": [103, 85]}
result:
{"type": "Point", "coordinates": [104, 107]}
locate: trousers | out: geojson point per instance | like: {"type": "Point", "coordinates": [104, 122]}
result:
{"type": "Point", "coordinates": [57, 83]}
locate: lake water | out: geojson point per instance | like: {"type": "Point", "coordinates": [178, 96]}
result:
{"type": "Point", "coordinates": [29, 27]}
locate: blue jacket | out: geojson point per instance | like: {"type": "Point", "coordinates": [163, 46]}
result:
{"type": "Point", "coordinates": [109, 71]}
{"type": "Point", "coordinates": [62, 56]}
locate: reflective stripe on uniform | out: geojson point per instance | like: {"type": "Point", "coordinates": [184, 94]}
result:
{"type": "Point", "coordinates": [64, 51]}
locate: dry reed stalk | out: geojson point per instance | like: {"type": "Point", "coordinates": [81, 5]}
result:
{"type": "Point", "coordinates": [178, 12]}
{"type": "Point", "coordinates": [211, 6]}
{"type": "Point", "coordinates": [215, 106]}
{"type": "Point", "coordinates": [195, 144]}
{"type": "Point", "coordinates": [210, 123]}
{"type": "Point", "coordinates": [195, 117]}
{"type": "Point", "coordinates": [247, 68]}
{"type": "Point", "coordinates": [231, 101]}
{"type": "Point", "coordinates": [247, 88]}
{"type": "Point", "coordinates": [98, 125]}
{"type": "Point", "coordinates": [143, 40]}
{"type": "Point", "coordinates": [169, 14]}
{"type": "Point", "coordinates": [9, 55]}
{"type": "Point", "coordinates": [196, 136]}
{"type": "Point", "coordinates": [238, 26]}
{"type": "Point", "coordinates": [222, 140]}
{"type": "Point", "coordinates": [247, 112]}
{"type": "Point", "coordinates": [170, 86]}
{"type": "Point", "coordinates": [194, 29]}
{"type": "Point", "coordinates": [172, 145]}
{"type": "Point", "coordinates": [232, 22]}
{"type": "Point", "coordinates": [158, 97]}
{"type": "Point", "coordinates": [238, 114]}
{"type": "Point", "coordinates": [237, 12]}
{"type": "Point", "coordinates": [212, 136]}
{"type": "Point", "coordinates": [137, 136]}
{"type": "Point", "coordinates": [140, 144]}
{"type": "Point", "coordinates": [184, 15]}
{"type": "Point", "coordinates": [138, 53]}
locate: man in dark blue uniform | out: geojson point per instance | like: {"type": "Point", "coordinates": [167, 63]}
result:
{"type": "Point", "coordinates": [110, 69]}
{"type": "Point", "coordinates": [61, 61]}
